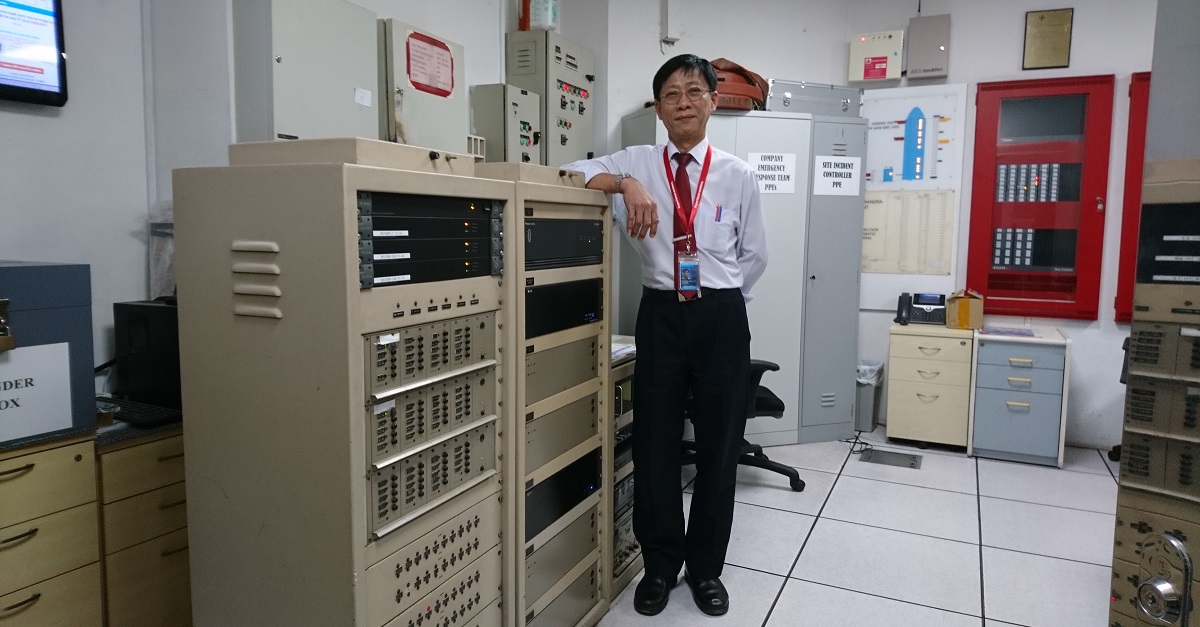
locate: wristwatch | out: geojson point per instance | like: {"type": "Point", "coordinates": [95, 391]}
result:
{"type": "Point", "coordinates": [620, 177]}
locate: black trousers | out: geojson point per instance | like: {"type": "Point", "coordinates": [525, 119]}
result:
{"type": "Point", "coordinates": [701, 347]}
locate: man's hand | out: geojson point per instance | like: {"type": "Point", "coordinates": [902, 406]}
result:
{"type": "Point", "coordinates": [641, 211]}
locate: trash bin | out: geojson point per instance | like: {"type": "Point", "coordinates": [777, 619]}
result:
{"type": "Point", "coordinates": [870, 381]}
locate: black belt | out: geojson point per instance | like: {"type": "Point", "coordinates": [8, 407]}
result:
{"type": "Point", "coordinates": [705, 292]}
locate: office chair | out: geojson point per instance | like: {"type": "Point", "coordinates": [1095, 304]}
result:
{"type": "Point", "coordinates": [760, 401]}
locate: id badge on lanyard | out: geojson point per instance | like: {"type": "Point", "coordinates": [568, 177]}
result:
{"type": "Point", "coordinates": [687, 257]}
{"type": "Point", "coordinates": [687, 272]}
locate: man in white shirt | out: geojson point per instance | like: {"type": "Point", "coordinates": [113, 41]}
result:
{"type": "Point", "coordinates": [693, 339]}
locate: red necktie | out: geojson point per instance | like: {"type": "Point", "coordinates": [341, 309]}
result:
{"type": "Point", "coordinates": [683, 187]}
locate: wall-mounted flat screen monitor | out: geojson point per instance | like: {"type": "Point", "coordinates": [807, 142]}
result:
{"type": "Point", "coordinates": [33, 62]}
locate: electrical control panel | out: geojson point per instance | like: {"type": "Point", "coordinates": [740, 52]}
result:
{"type": "Point", "coordinates": [332, 378]}
{"type": "Point", "coordinates": [1158, 504]}
{"type": "Point", "coordinates": [563, 73]}
{"type": "Point", "coordinates": [510, 119]}
{"type": "Point", "coordinates": [423, 89]}
{"type": "Point", "coordinates": [876, 56]}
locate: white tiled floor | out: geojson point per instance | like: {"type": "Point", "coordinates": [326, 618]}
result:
{"type": "Point", "coordinates": [960, 542]}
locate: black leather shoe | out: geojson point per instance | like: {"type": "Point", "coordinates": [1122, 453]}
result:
{"type": "Point", "coordinates": [652, 594]}
{"type": "Point", "coordinates": [709, 594]}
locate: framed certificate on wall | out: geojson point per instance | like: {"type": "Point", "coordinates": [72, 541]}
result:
{"type": "Point", "coordinates": [1047, 39]}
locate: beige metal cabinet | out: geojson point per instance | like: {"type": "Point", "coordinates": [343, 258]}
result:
{"type": "Point", "coordinates": [49, 571]}
{"type": "Point", "coordinates": [929, 383]}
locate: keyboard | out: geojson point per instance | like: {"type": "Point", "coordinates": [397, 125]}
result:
{"type": "Point", "coordinates": [143, 415]}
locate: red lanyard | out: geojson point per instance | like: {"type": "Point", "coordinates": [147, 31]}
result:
{"type": "Point", "coordinates": [691, 220]}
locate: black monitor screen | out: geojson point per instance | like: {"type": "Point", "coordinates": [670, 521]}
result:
{"type": "Point", "coordinates": [32, 62]}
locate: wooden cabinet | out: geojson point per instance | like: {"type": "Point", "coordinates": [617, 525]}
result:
{"type": "Point", "coordinates": [49, 571]}
{"type": "Point", "coordinates": [145, 539]}
{"type": "Point", "coordinates": [1018, 407]}
{"type": "Point", "coordinates": [929, 389]}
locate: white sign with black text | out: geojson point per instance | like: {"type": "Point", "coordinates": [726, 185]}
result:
{"type": "Point", "coordinates": [837, 176]}
{"type": "Point", "coordinates": [35, 390]}
{"type": "Point", "coordinates": [775, 172]}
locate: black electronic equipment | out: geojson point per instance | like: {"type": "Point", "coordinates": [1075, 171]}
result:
{"type": "Point", "coordinates": [551, 499]}
{"type": "Point", "coordinates": [921, 308]}
{"type": "Point", "coordinates": [147, 353]}
{"type": "Point", "coordinates": [563, 243]}
{"type": "Point", "coordinates": [561, 306]}
{"type": "Point", "coordinates": [410, 238]}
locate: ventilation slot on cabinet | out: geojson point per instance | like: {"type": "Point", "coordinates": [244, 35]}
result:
{"type": "Point", "coordinates": [829, 399]}
{"type": "Point", "coordinates": [255, 273]}
{"type": "Point", "coordinates": [522, 59]}
{"type": "Point", "coordinates": [840, 149]}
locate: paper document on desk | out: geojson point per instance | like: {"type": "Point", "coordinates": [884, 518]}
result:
{"type": "Point", "coordinates": [620, 350]}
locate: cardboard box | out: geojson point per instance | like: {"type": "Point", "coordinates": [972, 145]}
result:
{"type": "Point", "coordinates": [964, 310]}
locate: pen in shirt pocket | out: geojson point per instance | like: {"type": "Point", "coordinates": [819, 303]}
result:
{"type": "Point", "coordinates": [719, 210]}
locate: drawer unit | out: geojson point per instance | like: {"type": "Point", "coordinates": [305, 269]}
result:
{"type": "Point", "coordinates": [1019, 422]}
{"type": "Point", "coordinates": [148, 584]}
{"type": "Point", "coordinates": [940, 412]}
{"type": "Point", "coordinates": [144, 525]}
{"type": "Point", "coordinates": [1037, 380]}
{"type": "Point", "coordinates": [1018, 400]}
{"type": "Point", "coordinates": [929, 383]}
{"type": "Point", "coordinates": [49, 546]}
{"type": "Point", "coordinates": [50, 481]}
{"type": "Point", "coordinates": [1018, 355]}
{"type": "Point", "coordinates": [957, 373]}
{"type": "Point", "coordinates": [44, 547]}
{"type": "Point", "coordinates": [931, 347]}
{"type": "Point", "coordinates": [148, 515]}
{"type": "Point", "coordinates": [138, 469]}
{"type": "Point", "coordinates": [68, 600]}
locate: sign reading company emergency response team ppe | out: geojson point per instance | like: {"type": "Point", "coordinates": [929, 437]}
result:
{"type": "Point", "coordinates": [775, 172]}
{"type": "Point", "coordinates": [837, 176]}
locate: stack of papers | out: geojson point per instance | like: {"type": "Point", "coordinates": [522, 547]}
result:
{"type": "Point", "coordinates": [621, 350]}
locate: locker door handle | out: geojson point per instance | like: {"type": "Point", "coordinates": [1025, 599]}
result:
{"type": "Point", "coordinates": [1099, 204]}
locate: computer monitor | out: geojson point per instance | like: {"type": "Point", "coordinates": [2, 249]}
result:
{"type": "Point", "coordinates": [33, 59]}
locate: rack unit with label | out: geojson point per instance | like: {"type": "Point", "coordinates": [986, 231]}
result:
{"type": "Point", "coordinates": [560, 331]}
{"type": "Point", "coordinates": [347, 429]}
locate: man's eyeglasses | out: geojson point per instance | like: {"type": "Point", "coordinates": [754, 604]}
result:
{"type": "Point", "coordinates": [694, 94]}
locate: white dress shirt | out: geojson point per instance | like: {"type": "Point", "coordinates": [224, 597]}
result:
{"type": "Point", "coordinates": [733, 249]}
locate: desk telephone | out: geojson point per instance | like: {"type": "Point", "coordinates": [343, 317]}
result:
{"type": "Point", "coordinates": [921, 308]}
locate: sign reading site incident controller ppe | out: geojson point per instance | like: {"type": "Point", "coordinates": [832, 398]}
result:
{"type": "Point", "coordinates": [776, 173]}
{"type": "Point", "coordinates": [837, 176]}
